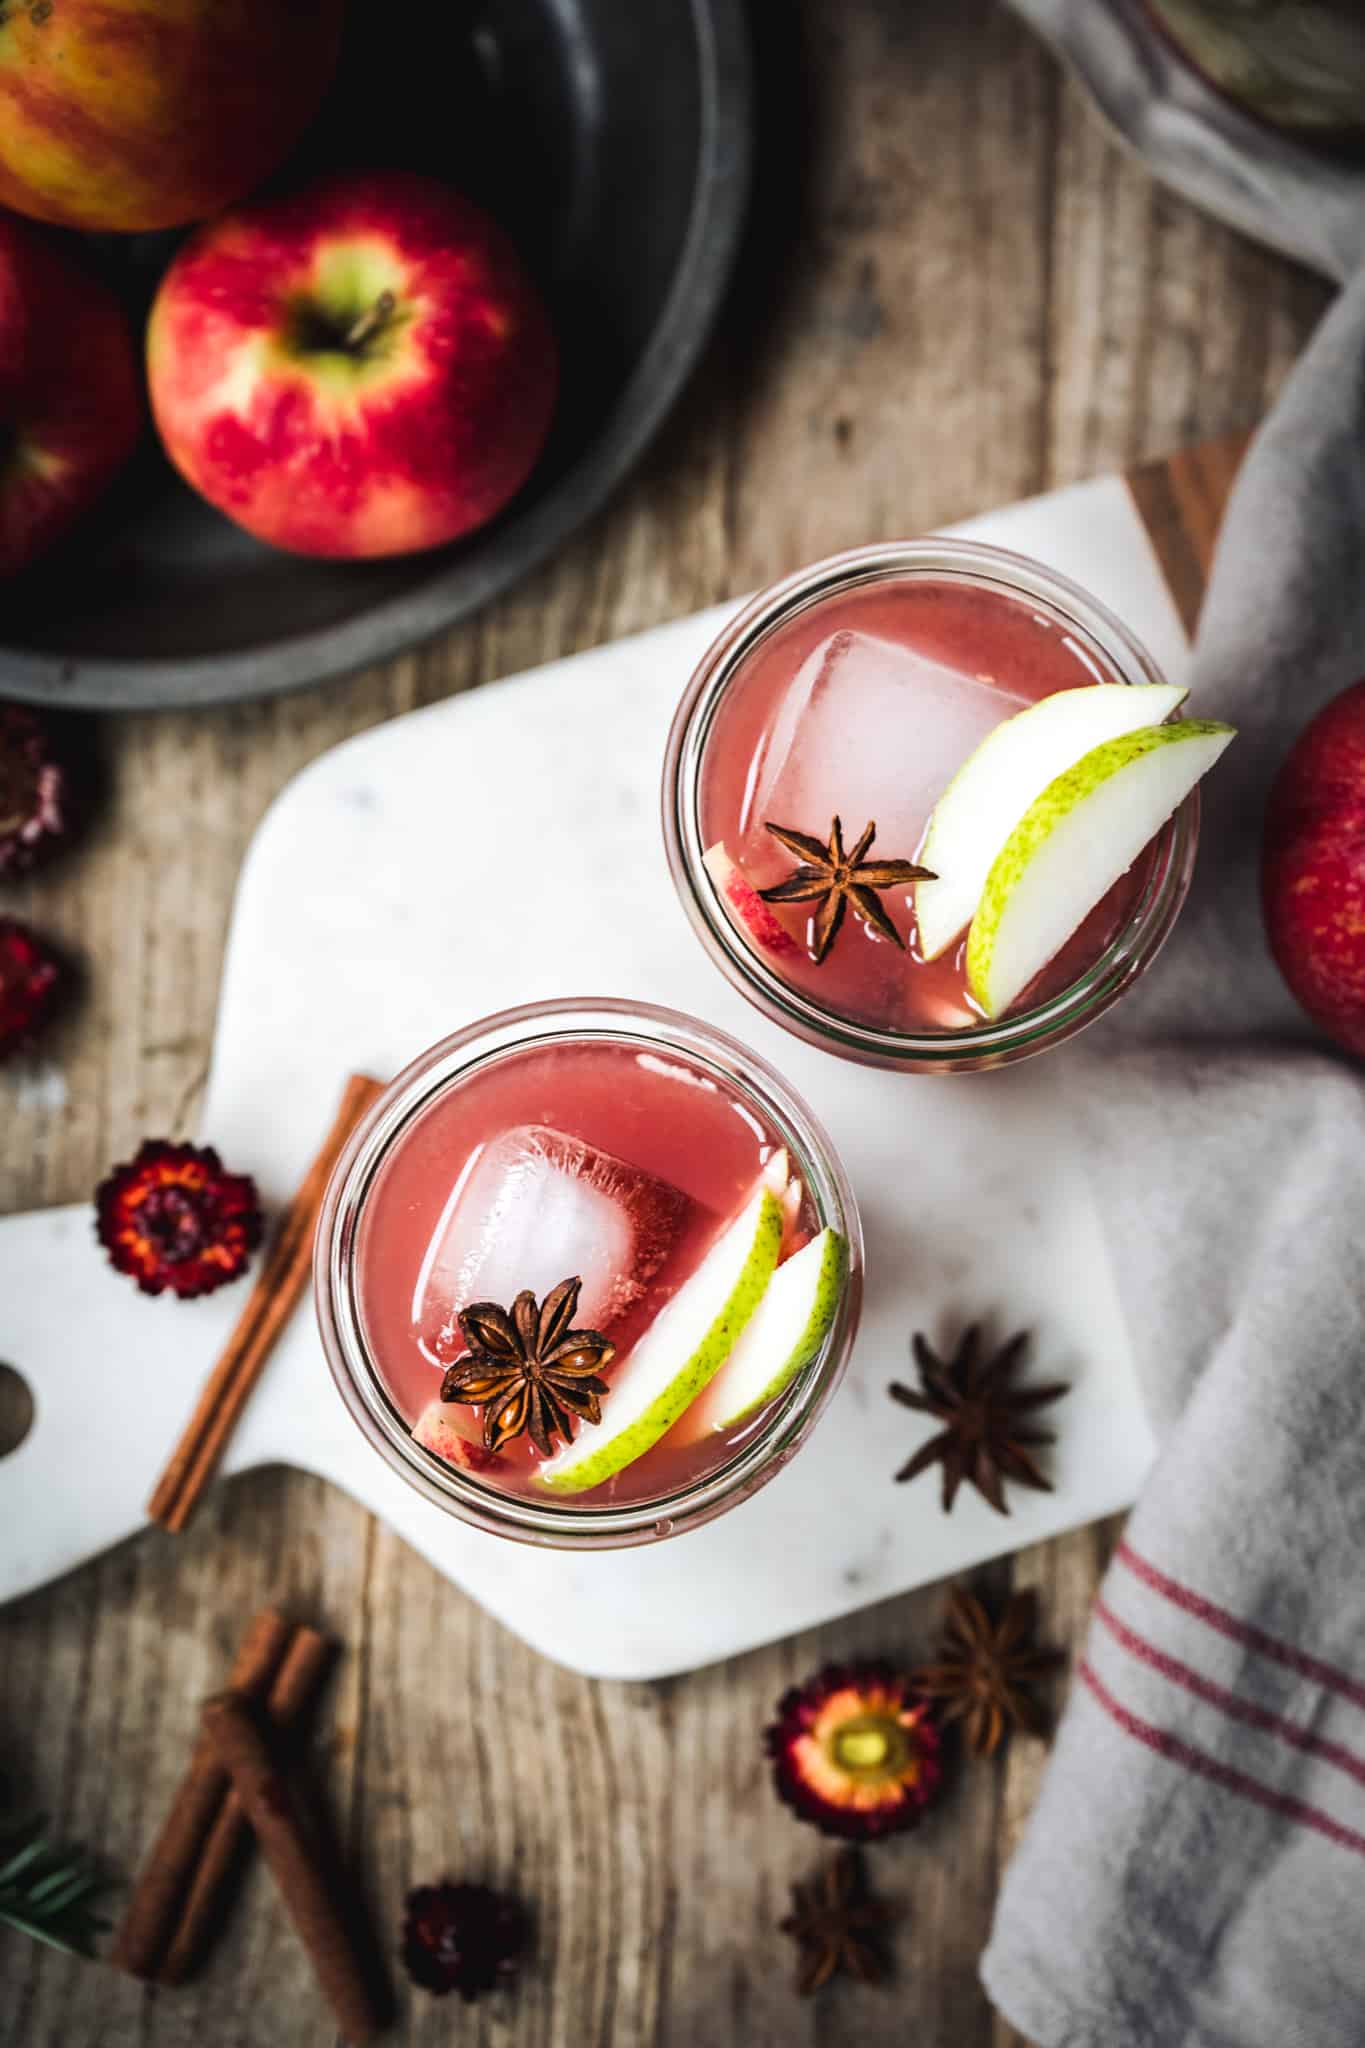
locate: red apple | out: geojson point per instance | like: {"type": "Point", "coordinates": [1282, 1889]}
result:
{"type": "Point", "coordinates": [363, 368]}
{"type": "Point", "coordinates": [746, 907]}
{"type": "Point", "coordinates": [150, 114]}
{"type": "Point", "coordinates": [70, 394]}
{"type": "Point", "coordinates": [1313, 869]}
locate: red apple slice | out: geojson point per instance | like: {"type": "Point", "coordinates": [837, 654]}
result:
{"type": "Point", "coordinates": [779, 1179]}
{"type": "Point", "coordinates": [793, 1236]}
{"type": "Point", "coordinates": [746, 907]}
{"type": "Point", "coordinates": [438, 1430]}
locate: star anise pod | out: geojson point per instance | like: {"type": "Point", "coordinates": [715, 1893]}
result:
{"type": "Point", "coordinates": [985, 1668]}
{"type": "Point", "coordinates": [835, 1926]}
{"type": "Point", "coordinates": [835, 879]}
{"type": "Point", "coordinates": [985, 1438]}
{"type": "Point", "coordinates": [528, 1369]}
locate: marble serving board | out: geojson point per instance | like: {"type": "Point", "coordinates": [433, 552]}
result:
{"type": "Point", "coordinates": [369, 921]}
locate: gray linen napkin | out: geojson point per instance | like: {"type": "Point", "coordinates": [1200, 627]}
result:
{"type": "Point", "coordinates": [1300, 202]}
{"type": "Point", "coordinates": [1194, 1874]}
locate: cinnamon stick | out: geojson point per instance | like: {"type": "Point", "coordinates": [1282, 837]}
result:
{"type": "Point", "coordinates": [285, 1842]}
{"type": "Point", "coordinates": [151, 1914]}
{"type": "Point", "coordinates": [295, 1687]}
{"type": "Point", "coordinates": [274, 1297]}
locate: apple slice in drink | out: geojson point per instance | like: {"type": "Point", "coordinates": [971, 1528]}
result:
{"type": "Point", "coordinates": [440, 1428]}
{"type": "Point", "coordinates": [784, 1334]}
{"type": "Point", "coordinates": [683, 1348]}
{"type": "Point", "coordinates": [1072, 844]}
{"type": "Point", "coordinates": [746, 907]}
{"type": "Point", "coordinates": [996, 785]}
{"type": "Point", "coordinates": [778, 1176]}
{"type": "Point", "coordinates": [777, 1173]}
{"type": "Point", "coordinates": [791, 1219]}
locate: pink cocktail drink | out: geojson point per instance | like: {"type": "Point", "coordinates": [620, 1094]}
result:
{"type": "Point", "coordinates": [864, 707]}
{"type": "Point", "coordinates": [904, 717]}
{"type": "Point", "coordinates": [671, 1196]}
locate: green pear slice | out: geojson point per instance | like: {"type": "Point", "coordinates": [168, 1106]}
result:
{"type": "Point", "coordinates": [683, 1348]}
{"type": "Point", "coordinates": [1073, 843]}
{"type": "Point", "coordinates": [996, 785]}
{"type": "Point", "coordinates": [784, 1334]}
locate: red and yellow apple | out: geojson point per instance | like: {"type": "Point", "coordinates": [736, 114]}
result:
{"type": "Point", "coordinates": [70, 394]}
{"type": "Point", "coordinates": [361, 368]}
{"type": "Point", "coordinates": [133, 114]}
{"type": "Point", "coordinates": [1313, 869]}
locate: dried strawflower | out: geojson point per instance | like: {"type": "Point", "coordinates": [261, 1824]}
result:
{"type": "Point", "coordinates": [462, 1937]}
{"type": "Point", "coordinates": [175, 1219]}
{"type": "Point", "coordinates": [855, 1751]}
{"type": "Point", "coordinates": [38, 802]}
{"type": "Point", "coordinates": [32, 983]}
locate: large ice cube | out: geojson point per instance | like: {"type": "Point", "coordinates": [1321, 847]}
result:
{"type": "Point", "coordinates": [868, 729]}
{"type": "Point", "coordinates": [532, 1207]}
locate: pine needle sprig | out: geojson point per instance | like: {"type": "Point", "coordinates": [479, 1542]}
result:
{"type": "Point", "coordinates": [47, 1889]}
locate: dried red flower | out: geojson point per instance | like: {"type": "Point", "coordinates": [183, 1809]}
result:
{"type": "Point", "coordinates": [32, 981]}
{"type": "Point", "coordinates": [173, 1218]}
{"type": "Point", "coordinates": [855, 1751]}
{"type": "Point", "coordinates": [38, 801]}
{"type": "Point", "coordinates": [462, 1937]}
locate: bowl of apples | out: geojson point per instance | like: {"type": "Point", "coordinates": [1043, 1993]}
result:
{"type": "Point", "coordinates": [318, 330]}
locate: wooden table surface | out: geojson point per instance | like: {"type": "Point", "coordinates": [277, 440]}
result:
{"type": "Point", "coordinates": [958, 292]}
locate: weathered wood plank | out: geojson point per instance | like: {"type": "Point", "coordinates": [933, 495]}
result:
{"type": "Point", "coordinates": [1181, 501]}
{"type": "Point", "coordinates": [958, 291]}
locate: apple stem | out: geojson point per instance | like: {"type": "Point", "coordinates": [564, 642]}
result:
{"type": "Point", "coordinates": [367, 324]}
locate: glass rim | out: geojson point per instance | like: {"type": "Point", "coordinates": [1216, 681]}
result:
{"type": "Point", "coordinates": [357, 1377]}
{"type": "Point", "coordinates": [967, 1046]}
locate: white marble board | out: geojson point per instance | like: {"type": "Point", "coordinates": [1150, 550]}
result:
{"type": "Point", "coordinates": [364, 904]}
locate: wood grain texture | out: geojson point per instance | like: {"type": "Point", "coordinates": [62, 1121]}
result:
{"type": "Point", "coordinates": [1181, 502]}
{"type": "Point", "coordinates": [957, 291]}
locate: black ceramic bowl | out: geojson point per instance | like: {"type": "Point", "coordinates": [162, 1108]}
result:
{"type": "Point", "coordinates": [612, 138]}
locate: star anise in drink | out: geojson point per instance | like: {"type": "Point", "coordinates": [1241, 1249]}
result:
{"type": "Point", "coordinates": [529, 1370]}
{"type": "Point", "coordinates": [836, 881]}
{"type": "Point", "coordinates": [985, 1669]}
{"type": "Point", "coordinates": [836, 1926]}
{"type": "Point", "coordinates": [986, 1436]}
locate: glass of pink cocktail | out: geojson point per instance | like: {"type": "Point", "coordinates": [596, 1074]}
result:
{"type": "Point", "coordinates": [848, 701]}
{"type": "Point", "coordinates": [587, 1273]}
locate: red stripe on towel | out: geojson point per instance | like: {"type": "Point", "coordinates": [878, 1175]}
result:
{"type": "Point", "coordinates": [1232, 1704]}
{"type": "Point", "coordinates": [1239, 1631]}
{"type": "Point", "coordinates": [1204, 1766]}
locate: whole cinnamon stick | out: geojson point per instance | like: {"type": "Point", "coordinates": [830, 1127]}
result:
{"type": "Point", "coordinates": [269, 1804]}
{"type": "Point", "coordinates": [272, 1302]}
{"type": "Point", "coordinates": [160, 1890]}
{"type": "Point", "coordinates": [295, 1687]}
